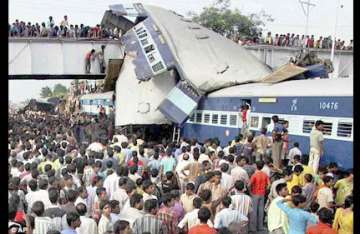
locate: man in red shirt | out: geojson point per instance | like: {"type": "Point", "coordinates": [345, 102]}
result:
{"type": "Point", "coordinates": [324, 226]}
{"type": "Point", "coordinates": [259, 182]}
{"type": "Point", "coordinates": [136, 162]}
{"type": "Point", "coordinates": [88, 58]}
{"type": "Point", "coordinates": [203, 215]}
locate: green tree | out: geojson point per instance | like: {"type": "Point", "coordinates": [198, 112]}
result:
{"type": "Point", "coordinates": [59, 90]}
{"type": "Point", "coordinates": [230, 23]}
{"type": "Point", "coordinates": [45, 92]}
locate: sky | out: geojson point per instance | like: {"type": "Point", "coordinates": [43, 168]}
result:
{"type": "Point", "coordinates": [288, 18]}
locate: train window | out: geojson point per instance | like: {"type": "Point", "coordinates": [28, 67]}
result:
{"type": "Point", "coordinates": [281, 121]}
{"type": "Point", "coordinates": [254, 123]}
{"type": "Point", "coordinates": [198, 117]}
{"type": "Point", "coordinates": [223, 119]}
{"type": "Point", "coordinates": [327, 128]}
{"type": "Point", "coordinates": [344, 129]}
{"type": "Point", "coordinates": [215, 118]}
{"type": "Point", "coordinates": [265, 122]}
{"type": "Point", "coordinates": [233, 119]}
{"type": "Point", "coordinates": [206, 118]}
{"type": "Point", "coordinates": [308, 125]}
{"type": "Point", "coordinates": [158, 66]}
{"type": "Point", "coordinates": [192, 117]}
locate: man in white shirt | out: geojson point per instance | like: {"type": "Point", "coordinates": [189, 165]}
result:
{"type": "Point", "coordinates": [50, 22]}
{"type": "Point", "coordinates": [133, 212]}
{"type": "Point", "coordinates": [325, 196]}
{"type": "Point", "coordinates": [241, 201]}
{"type": "Point", "coordinates": [277, 219]}
{"type": "Point", "coordinates": [227, 180]}
{"type": "Point", "coordinates": [88, 225]}
{"type": "Point", "coordinates": [120, 194]}
{"type": "Point", "coordinates": [149, 189]}
{"type": "Point", "coordinates": [228, 217]}
{"type": "Point", "coordinates": [14, 169]}
{"type": "Point", "coordinates": [203, 157]}
{"type": "Point", "coordinates": [83, 195]}
{"type": "Point", "coordinates": [29, 197]}
{"type": "Point", "coordinates": [191, 218]}
{"type": "Point", "coordinates": [42, 194]}
{"type": "Point", "coordinates": [279, 179]}
{"type": "Point", "coordinates": [111, 183]}
{"type": "Point", "coordinates": [65, 22]}
{"type": "Point", "coordinates": [180, 166]}
{"type": "Point", "coordinates": [316, 145]}
{"type": "Point", "coordinates": [96, 147]}
{"type": "Point", "coordinates": [96, 183]}
{"type": "Point", "coordinates": [105, 224]}
{"type": "Point", "coordinates": [266, 169]}
{"type": "Point", "coordinates": [115, 211]}
{"type": "Point", "coordinates": [239, 173]}
{"type": "Point", "coordinates": [55, 212]}
{"type": "Point", "coordinates": [294, 151]}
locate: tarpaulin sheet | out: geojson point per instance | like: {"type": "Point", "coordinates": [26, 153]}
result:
{"type": "Point", "coordinates": [283, 73]}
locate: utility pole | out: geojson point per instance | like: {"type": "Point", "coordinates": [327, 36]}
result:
{"type": "Point", "coordinates": [334, 35]}
{"type": "Point", "coordinates": [306, 12]}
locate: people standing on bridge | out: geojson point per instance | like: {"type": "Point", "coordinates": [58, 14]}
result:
{"type": "Point", "coordinates": [101, 58]}
{"type": "Point", "coordinates": [316, 145]}
{"type": "Point", "coordinates": [65, 22]}
{"type": "Point", "coordinates": [43, 31]}
{"type": "Point", "coordinates": [88, 58]}
{"type": "Point", "coordinates": [269, 39]}
{"type": "Point", "coordinates": [50, 22]}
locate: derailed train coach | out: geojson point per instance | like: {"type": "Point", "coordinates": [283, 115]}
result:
{"type": "Point", "coordinates": [174, 69]}
{"type": "Point", "coordinates": [91, 103]}
{"type": "Point", "coordinates": [300, 102]}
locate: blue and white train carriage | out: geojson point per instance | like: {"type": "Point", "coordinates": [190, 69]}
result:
{"type": "Point", "coordinates": [91, 103]}
{"type": "Point", "coordinates": [301, 102]}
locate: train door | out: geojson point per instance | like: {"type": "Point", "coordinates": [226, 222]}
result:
{"type": "Point", "coordinates": [243, 102]}
{"type": "Point", "coordinates": [266, 120]}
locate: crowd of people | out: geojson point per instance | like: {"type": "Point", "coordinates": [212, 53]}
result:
{"type": "Point", "coordinates": [63, 30]}
{"type": "Point", "coordinates": [97, 182]}
{"type": "Point", "coordinates": [67, 30]}
{"type": "Point", "coordinates": [292, 40]}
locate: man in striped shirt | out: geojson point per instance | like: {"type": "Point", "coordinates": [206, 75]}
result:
{"type": "Point", "coordinates": [167, 215]}
{"type": "Point", "coordinates": [241, 201]}
{"type": "Point", "coordinates": [42, 224]}
{"type": "Point", "coordinates": [149, 222]}
{"type": "Point", "coordinates": [228, 217]}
